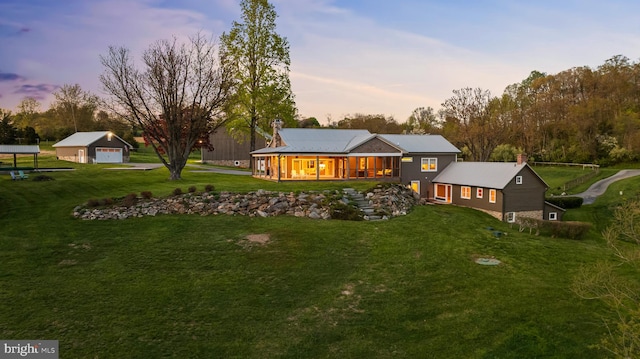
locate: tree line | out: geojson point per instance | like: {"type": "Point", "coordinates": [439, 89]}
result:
{"type": "Point", "coordinates": [183, 90]}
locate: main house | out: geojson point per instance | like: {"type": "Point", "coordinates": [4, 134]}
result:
{"type": "Point", "coordinates": [426, 163]}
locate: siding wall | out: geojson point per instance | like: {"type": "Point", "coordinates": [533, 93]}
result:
{"type": "Point", "coordinates": [227, 151]}
{"type": "Point", "coordinates": [411, 171]}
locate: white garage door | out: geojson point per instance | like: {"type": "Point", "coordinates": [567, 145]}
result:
{"type": "Point", "coordinates": [108, 155]}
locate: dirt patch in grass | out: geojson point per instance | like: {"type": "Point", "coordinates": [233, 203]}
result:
{"type": "Point", "coordinates": [261, 239]}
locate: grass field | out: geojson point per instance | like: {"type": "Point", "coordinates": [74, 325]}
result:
{"type": "Point", "coordinates": [195, 287]}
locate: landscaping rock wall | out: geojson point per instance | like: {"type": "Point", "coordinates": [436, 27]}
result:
{"type": "Point", "coordinates": [390, 200]}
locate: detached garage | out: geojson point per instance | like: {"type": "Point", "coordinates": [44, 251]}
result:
{"type": "Point", "coordinates": [93, 147]}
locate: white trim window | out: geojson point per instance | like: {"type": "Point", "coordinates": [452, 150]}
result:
{"type": "Point", "coordinates": [479, 192]}
{"type": "Point", "coordinates": [553, 216]}
{"type": "Point", "coordinates": [465, 192]}
{"type": "Point", "coordinates": [428, 164]}
{"type": "Point", "coordinates": [518, 179]}
{"type": "Point", "coordinates": [511, 217]}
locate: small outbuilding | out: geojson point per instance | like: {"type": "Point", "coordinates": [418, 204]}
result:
{"type": "Point", "coordinates": [20, 150]}
{"type": "Point", "coordinates": [93, 147]}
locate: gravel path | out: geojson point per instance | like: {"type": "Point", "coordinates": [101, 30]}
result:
{"type": "Point", "coordinates": [598, 188]}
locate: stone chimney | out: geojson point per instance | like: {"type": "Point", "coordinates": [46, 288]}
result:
{"type": "Point", "coordinates": [277, 126]}
{"type": "Point", "coordinates": [522, 158]}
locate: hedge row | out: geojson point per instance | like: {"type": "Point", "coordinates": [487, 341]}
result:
{"type": "Point", "coordinates": [566, 202]}
{"type": "Point", "coordinates": [560, 229]}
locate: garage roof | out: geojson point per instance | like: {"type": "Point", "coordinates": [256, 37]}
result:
{"type": "Point", "coordinates": [83, 139]}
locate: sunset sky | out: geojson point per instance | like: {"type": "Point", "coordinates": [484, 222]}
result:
{"type": "Point", "coordinates": [347, 56]}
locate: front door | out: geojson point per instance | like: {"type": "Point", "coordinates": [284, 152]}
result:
{"type": "Point", "coordinates": [81, 156]}
{"type": "Point", "coordinates": [443, 192]}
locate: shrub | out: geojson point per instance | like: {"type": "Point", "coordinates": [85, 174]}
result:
{"type": "Point", "coordinates": [209, 188]}
{"type": "Point", "coordinates": [177, 191]}
{"type": "Point", "coordinates": [106, 202]}
{"type": "Point", "coordinates": [93, 202]}
{"type": "Point", "coordinates": [346, 212]}
{"type": "Point", "coordinates": [42, 178]}
{"type": "Point", "coordinates": [130, 200]}
{"type": "Point", "coordinates": [566, 202]}
{"type": "Point", "coordinates": [192, 189]}
{"type": "Point", "coordinates": [568, 229]}
{"type": "Point", "coordinates": [146, 194]}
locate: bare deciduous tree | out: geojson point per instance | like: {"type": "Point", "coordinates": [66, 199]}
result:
{"type": "Point", "coordinates": [177, 98]}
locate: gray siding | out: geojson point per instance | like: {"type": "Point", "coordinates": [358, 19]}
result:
{"type": "Point", "coordinates": [479, 203]}
{"type": "Point", "coordinates": [411, 171]}
{"type": "Point", "coordinates": [528, 196]}
{"type": "Point", "coordinates": [227, 150]}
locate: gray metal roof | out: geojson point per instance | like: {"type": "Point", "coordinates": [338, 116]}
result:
{"type": "Point", "coordinates": [495, 175]}
{"type": "Point", "coordinates": [19, 149]}
{"type": "Point", "coordinates": [421, 143]}
{"type": "Point", "coordinates": [315, 140]}
{"type": "Point", "coordinates": [83, 139]}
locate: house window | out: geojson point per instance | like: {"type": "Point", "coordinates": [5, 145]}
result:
{"type": "Point", "coordinates": [553, 216]}
{"type": "Point", "coordinates": [429, 164]}
{"type": "Point", "coordinates": [518, 179]}
{"type": "Point", "coordinates": [492, 196]}
{"type": "Point", "coordinates": [479, 192]}
{"type": "Point", "coordinates": [465, 192]}
{"type": "Point", "coordinates": [407, 159]}
{"type": "Point", "coordinates": [511, 217]}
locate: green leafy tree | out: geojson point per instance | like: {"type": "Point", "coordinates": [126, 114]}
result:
{"type": "Point", "coordinates": [77, 106]}
{"type": "Point", "coordinates": [259, 59]}
{"type": "Point", "coordinates": [177, 99]}
{"type": "Point", "coordinates": [423, 120]}
{"type": "Point", "coordinates": [372, 123]}
{"type": "Point", "coordinates": [8, 132]}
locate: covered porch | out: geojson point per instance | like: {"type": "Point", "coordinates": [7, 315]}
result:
{"type": "Point", "coordinates": [317, 167]}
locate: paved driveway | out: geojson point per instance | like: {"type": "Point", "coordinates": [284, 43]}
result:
{"type": "Point", "coordinates": [598, 188]}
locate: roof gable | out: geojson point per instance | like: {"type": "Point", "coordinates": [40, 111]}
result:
{"type": "Point", "coordinates": [483, 174]}
{"type": "Point", "coordinates": [83, 139]}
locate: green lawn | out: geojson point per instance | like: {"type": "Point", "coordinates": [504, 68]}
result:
{"type": "Point", "coordinates": [194, 287]}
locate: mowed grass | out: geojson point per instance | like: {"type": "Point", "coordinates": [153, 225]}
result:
{"type": "Point", "coordinates": [194, 287]}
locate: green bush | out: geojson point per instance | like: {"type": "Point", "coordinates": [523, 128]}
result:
{"type": "Point", "coordinates": [209, 188]}
{"type": "Point", "coordinates": [566, 202]}
{"type": "Point", "coordinates": [340, 210]}
{"type": "Point", "coordinates": [146, 194]}
{"type": "Point", "coordinates": [177, 191]}
{"type": "Point", "coordinates": [192, 189]}
{"type": "Point", "coordinates": [93, 202]}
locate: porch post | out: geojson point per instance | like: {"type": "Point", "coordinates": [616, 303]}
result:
{"type": "Point", "coordinates": [317, 168]}
{"type": "Point", "coordinates": [279, 169]}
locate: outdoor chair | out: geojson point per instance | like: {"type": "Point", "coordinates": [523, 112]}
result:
{"type": "Point", "coordinates": [13, 176]}
{"type": "Point", "coordinates": [22, 175]}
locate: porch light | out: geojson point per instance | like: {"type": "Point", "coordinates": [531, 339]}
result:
{"type": "Point", "coordinates": [109, 135]}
